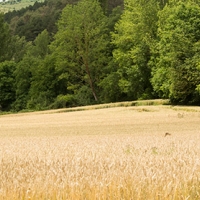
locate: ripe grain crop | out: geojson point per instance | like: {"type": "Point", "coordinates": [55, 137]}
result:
{"type": "Point", "coordinates": [113, 153]}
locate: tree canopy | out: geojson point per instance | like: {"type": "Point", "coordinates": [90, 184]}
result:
{"type": "Point", "coordinates": [63, 53]}
{"type": "Point", "coordinates": [80, 47]}
{"type": "Point", "coordinates": [175, 73]}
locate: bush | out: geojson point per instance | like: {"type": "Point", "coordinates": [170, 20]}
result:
{"type": "Point", "coordinates": [63, 101]}
{"type": "Point", "coordinates": [84, 96]}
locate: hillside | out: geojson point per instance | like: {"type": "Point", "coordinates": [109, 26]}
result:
{"type": "Point", "coordinates": [10, 6]}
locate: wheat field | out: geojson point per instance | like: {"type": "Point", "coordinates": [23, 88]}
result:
{"type": "Point", "coordinates": [105, 154]}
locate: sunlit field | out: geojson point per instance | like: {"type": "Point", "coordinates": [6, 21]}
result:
{"type": "Point", "coordinates": [112, 153]}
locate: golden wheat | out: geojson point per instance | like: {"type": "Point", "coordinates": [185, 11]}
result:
{"type": "Point", "coordinates": [115, 153]}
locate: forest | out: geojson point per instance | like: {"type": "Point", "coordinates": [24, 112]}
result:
{"type": "Point", "coordinates": [67, 53]}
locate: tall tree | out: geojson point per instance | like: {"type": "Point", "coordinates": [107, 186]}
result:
{"type": "Point", "coordinates": [133, 37]}
{"type": "Point", "coordinates": [18, 47]}
{"type": "Point", "coordinates": [30, 77]}
{"type": "Point", "coordinates": [80, 46]}
{"type": "Point", "coordinates": [110, 91]}
{"type": "Point", "coordinates": [43, 89]}
{"type": "Point", "coordinates": [4, 39]}
{"type": "Point", "coordinates": [175, 73]}
{"type": "Point", "coordinates": [23, 77]}
{"type": "Point", "coordinates": [7, 88]}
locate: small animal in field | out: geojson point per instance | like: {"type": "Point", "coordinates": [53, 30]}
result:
{"type": "Point", "coordinates": [167, 134]}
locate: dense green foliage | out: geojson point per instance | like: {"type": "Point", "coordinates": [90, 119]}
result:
{"type": "Point", "coordinates": [175, 72]}
{"type": "Point", "coordinates": [4, 39]}
{"type": "Point", "coordinates": [82, 33]}
{"type": "Point", "coordinates": [62, 53]}
{"type": "Point", "coordinates": [133, 37]}
{"type": "Point", "coordinates": [7, 86]}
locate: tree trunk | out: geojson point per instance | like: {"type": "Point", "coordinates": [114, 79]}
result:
{"type": "Point", "coordinates": [90, 81]}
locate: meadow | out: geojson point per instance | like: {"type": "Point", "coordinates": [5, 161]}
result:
{"type": "Point", "coordinates": [101, 154]}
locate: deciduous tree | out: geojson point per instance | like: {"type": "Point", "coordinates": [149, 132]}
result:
{"type": "Point", "coordinates": [175, 73]}
{"type": "Point", "coordinates": [133, 36]}
{"type": "Point", "coordinates": [7, 86]}
{"type": "Point", "coordinates": [4, 39]}
{"type": "Point", "coordinates": [80, 46]}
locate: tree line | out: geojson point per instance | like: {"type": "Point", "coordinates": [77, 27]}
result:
{"type": "Point", "coordinates": [70, 53]}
